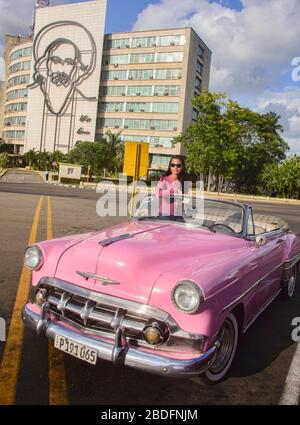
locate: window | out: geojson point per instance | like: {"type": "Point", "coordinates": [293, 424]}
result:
{"type": "Point", "coordinates": [113, 75]}
{"type": "Point", "coordinates": [112, 90]}
{"type": "Point", "coordinates": [109, 122]}
{"type": "Point", "coordinates": [199, 68]}
{"type": "Point", "coordinates": [164, 124]}
{"type": "Point", "coordinates": [139, 90]}
{"type": "Point", "coordinates": [15, 94]}
{"type": "Point", "coordinates": [167, 108]}
{"type": "Point", "coordinates": [16, 107]}
{"type": "Point", "coordinates": [250, 225]}
{"type": "Point", "coordinates": [170, 57]}
{"type": "Point", "coordinates": [150, 124]}
{"type": "Point", "coordinates": [134, 138]}
{"type": "Point", "coordinates": [111, 107]}
{"type": "Point", "coordinates": [160, 160]}
{"type": "Point", "coordinates": [168, 74]}
{"type": "Point", "coordinates": [198, 83]}
{"type": "Point", "coordinates": [142, 58]}
{"type": "Point", "coordinates": [70, 171]}
{"type": "Point", "coordinates": [138, 107]}
{"type": "Point", "coordinates": [15, 121]}
{"type": "Point", "coordinates": [165, 142]}
{"type": "Point", "coordinates": [20, 79]}
{"type": "Point", "coordinates": [175, 40]}
{"type": "Point", "coordinates": [195, 115]}
{"type": "Point", "coordinates": [14, 134]}
{"type": "Point", "coordinates": [167, 90]}
{"type": "Point", "coordinates": [115, 59]}
{"type": "Point", "coordinates": [27, 51]}
{"type": "Point", "coordinates": [137, 124]}
{"type": "Point", "coordinates": [120, 43]}
{"type": "Point", "coordinates": [200, 51]}
{"type": "Point", "coordinates": [143, 42]}
{"type": "Point", "coordinates": [141, 74]}
{"type": "Point", "coordinates": [20, 66]}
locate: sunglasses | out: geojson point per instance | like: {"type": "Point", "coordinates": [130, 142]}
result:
{"type": "Point", "coordinates": [176, 165]}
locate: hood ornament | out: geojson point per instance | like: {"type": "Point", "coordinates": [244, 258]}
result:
{"type": "Point", "coordinates": [105, 280]}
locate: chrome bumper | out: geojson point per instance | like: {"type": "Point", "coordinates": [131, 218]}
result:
{"type": "Point", "coordinates": [123, 355]}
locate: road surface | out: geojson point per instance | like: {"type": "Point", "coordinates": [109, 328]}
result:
{"type": "Point", "coordinates": [44, 377]}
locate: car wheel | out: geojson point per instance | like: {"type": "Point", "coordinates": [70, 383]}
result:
{"type": "Point", "coordinates": [228, 339]}
{"type": "Point", "coordinates": [288, 289]}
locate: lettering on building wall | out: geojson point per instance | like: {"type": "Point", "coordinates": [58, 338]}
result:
{"type": "Point", "coordinates": [82, 131]}
{"type": "Point", "coordinates": [85, 118]}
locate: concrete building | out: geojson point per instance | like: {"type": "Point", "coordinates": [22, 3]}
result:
{"type": "Point", "coordinates": [83, 83]}
{"type": "Point", "coordinates": [13, 94]}
{"type": "Point", "coordinates": [148, 80]}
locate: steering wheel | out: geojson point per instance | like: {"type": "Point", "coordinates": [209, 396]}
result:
{"type": "Point", "coordinates": [224, 225]}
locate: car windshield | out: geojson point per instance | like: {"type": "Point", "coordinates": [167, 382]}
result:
{"type": "Point", "coordinates": [214, 215]}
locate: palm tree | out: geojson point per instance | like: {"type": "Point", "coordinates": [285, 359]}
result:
{"type": "Point", "coordinates": [115, 149]}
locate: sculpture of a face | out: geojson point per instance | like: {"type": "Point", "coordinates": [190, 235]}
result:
{"type": "Point", "coordinates": [61, 65]}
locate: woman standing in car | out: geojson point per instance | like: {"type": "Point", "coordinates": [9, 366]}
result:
{"type": "Point", "coordinates": [170, 188]}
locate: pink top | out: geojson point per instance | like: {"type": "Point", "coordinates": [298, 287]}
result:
{"type": "Point", "coordinates": [166, 187]}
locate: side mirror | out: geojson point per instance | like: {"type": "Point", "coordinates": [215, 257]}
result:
{"type": "Point", "coordinates": [260, 241]}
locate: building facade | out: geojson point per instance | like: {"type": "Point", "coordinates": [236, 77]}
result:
{"type": "Point", "coordinates": [13, 105]}
{"type": "Point", "coordinates": [82, 84]}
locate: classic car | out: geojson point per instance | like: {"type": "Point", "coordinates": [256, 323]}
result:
{"type": "Point", "coordinates": [167, 295]}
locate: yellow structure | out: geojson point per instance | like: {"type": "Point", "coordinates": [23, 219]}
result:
{"type": "Point", "coordinates": [136, 159]}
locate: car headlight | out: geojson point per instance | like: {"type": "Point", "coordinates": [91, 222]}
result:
{"type": "Point", "coordinates": [187, 296]}
{"type": "Point", "coordinates": [33, 258]}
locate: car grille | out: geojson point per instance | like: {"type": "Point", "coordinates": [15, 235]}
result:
{"type": "Point", "coordinates": [93, 316]}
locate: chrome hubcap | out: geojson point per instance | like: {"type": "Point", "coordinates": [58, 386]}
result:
{"type": "Point", "coordinates": [226, 340]}
{"type": "Point", "coordinates": [291, 285]}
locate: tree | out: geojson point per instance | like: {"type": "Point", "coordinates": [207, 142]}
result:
{"type": "Point", "coordinates": [92, 155]}
{"type": "Point", "coordinates": [115, 151]}
{"type": "Point", "coordinates": [4, 160]}
{"type": "Point", "coordinates": [229, 143]}
{"type": "Point", "coordinates": [6, 147]}
{"type": "Point", "coordinates": [282, 179]}
{"type": "Point", "coordinates": [30, 158]}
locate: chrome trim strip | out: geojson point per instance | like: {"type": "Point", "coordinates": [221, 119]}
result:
{"type": "Point", "coordinates": [267, 303]}
{"type": "Point", "coordinates": [105, 280]}
{"type": "Point", "coordinates": [251, 288]}
{"type": "Point", "coordinates": [132, 357]}
{"type": "Point", "coordinates": [288, 264]}
{"type": "Point", "coordinates": [109, 241]}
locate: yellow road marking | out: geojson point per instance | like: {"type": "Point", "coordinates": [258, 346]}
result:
{"type": "Point", "coordinates": [58, 393]}
{"type": "Point", "coordinates": [10, 366]}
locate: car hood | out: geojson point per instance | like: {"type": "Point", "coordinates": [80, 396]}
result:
{"type": "Point", "coordinates": [137, 262]}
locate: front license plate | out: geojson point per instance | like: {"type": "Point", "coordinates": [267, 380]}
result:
{"type": "Point", "coordinates": [80, 351]}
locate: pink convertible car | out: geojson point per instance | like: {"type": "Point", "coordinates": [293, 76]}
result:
{"type": "Point", "coordinates": [167, 296]}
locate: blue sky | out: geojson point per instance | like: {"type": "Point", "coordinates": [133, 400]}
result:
{"type": "Point", "coordinates": [122, 14]}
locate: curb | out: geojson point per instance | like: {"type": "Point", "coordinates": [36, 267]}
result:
{"type": "Point", "coordinates": [3, 172]}
{"type": "Point", "coordinates": [70, 185]}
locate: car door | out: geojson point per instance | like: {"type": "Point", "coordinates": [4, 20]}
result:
{"type": "Point", "coordinates": [267, 267]}
{"type": "Point", "coordinates": [270, 263]}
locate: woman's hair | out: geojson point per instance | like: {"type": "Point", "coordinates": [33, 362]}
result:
{"type": "Point", "coordinates": [181, 176]}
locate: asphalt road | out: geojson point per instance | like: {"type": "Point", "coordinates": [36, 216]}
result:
{"type": "Point", "coordinates": [263, 358]}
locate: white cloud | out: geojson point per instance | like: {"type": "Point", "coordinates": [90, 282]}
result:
{"type": "Point", "coordinates": [287, 105]}
{"type": "Point", "coordinates": [252, 48]}
{"type": "Point", "coordinates": [16, 18]}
